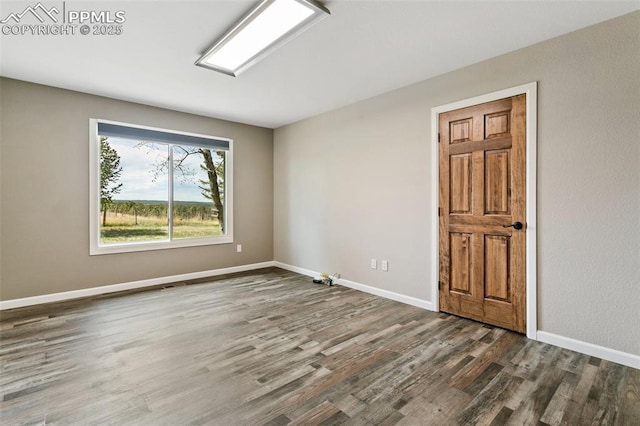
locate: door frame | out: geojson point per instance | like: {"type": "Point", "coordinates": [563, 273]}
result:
{"type": "Point", "coordinates": [531, 132]}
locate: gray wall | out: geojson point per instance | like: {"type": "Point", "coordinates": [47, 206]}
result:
{"type": "Point", "coordinates": [354, 184]}
{"type": "Point", "coordinates": [44, 219]}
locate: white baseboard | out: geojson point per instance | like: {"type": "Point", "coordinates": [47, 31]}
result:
{"type": "Point", "coordinates": [292, 268]}
{"type": "Point", "coordinates": [608, 354]}
{"type": "Point", "coordinates": [413, 301]}
{"type": "Point", "coordinates": [612, 355]}
{"type": "Point", "coordinates": [95, 291]}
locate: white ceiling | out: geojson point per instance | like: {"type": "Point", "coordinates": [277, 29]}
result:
{"type": "Point", "coordinates": [363, 49]}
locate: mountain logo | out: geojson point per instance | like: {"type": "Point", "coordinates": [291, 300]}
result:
{"type": "Point", "coordinates": [39, 11]}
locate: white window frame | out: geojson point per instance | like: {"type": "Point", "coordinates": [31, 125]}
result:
{"type": "Point", "coordinates": [95, 248]}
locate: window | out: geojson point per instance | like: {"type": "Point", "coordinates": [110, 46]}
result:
{"type": "Point", "coordinates": [157, 189]}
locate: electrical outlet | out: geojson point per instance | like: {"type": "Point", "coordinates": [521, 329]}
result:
{"type": "Point", "coordinates": [374, 264]}
{"type": "Point", "coordinates": [239, 248]}
{"type": "Point", "coordinates": [385, 265]}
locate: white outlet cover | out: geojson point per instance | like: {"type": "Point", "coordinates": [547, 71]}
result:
{"type": "Point", "coordinates": [374, 264]}
{"type": "Point", "coordinates": [385, 265]}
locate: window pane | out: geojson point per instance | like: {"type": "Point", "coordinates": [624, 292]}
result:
{"type": "Point", "coordinates": [134, 188]}
{"type": "Point", "coordinates": [198, 192]}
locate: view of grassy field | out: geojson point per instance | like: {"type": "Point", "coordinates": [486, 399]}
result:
{"type": "Point", "coordinates": [122, 228]}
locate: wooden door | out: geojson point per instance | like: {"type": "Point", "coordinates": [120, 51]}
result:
{"type": "Point", "coordinates": [482, 193]}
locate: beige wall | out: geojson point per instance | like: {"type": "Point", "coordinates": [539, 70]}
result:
{"type": "Point", "coordinates": [354, 184]}
{"type": "Point", "coordinates": [44, 220]}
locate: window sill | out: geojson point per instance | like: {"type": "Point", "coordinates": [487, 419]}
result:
{"type": "Point", "coordinates": [158, 245]}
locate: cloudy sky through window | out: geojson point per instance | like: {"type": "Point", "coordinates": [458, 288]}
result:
{"type": "Point", "coordinates": [144, 177]}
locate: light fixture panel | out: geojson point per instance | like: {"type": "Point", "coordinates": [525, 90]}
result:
{"type": "Point", "coordinates": [265, 28]}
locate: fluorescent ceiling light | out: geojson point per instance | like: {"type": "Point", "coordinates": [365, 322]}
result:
{"type": "Point", "coordinates": [269, 25]}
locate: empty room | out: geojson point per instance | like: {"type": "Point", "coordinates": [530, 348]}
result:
{"type": "Point", "coordinates": [274, 212]}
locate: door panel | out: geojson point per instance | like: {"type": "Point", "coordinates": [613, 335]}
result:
{"type": "Point", "coordinates": [497, 182]}
{"type": "Point", "coordinates": [482, 192]}
{"type": "Point", "coordinates": [460, 130]}
{"type": "Point", "coordinates": [496, 267]}
{"type": "Point", "coordinates": [461, 258]}
{"type": "Point", "coordinates": [461, 184]}
{"type": "Point", "coordinates": [496, 124]}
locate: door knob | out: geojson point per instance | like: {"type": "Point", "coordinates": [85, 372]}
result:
{"type": "Point", "coordinates": [516, 225]}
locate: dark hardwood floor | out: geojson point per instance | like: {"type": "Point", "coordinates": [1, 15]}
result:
{"type": "Point", "coordinates": [270, 347]}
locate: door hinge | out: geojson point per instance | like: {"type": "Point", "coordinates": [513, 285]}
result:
{"type": "Point", "coordinates": [438, 137]}
{"type": "Point", "coordinates": [439, 285]}
{"type": "Point", "coordinates": [439, 212]}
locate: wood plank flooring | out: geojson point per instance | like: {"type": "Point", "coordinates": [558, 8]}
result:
{"type": "Point", "coordinates": [268, 347]}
